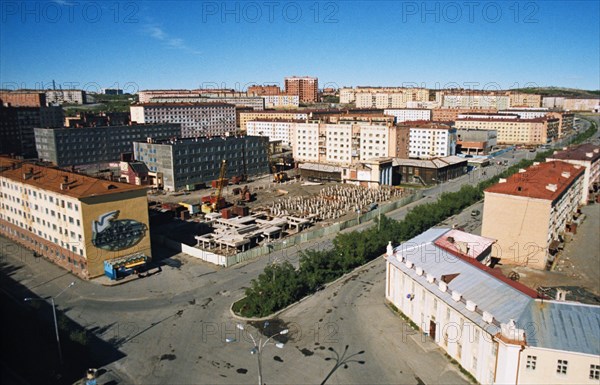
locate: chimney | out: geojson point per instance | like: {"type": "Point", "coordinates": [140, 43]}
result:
{"type": "Point", "coordinates": [589, 154]}
{"type": "Point", "coordinates": [565, 174]}
{"type": "Point", "coordinates": [522, 170]}
{"type": "Point", "coordinates": [552, 187]}
{"type": "Point", "coordinates": [596, 150]}
{"type": "Point", "coordinates": [561, 294]}
{"type": "Point", "coordinates": [65, 183]}
{"type": "Point", "coordinates": [502, 180]}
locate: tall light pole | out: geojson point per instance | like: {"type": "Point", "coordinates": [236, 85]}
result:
{"type": "Point", "coordinates": [259, 346]}
{"type": "Point", "coordinates": [28, 299]}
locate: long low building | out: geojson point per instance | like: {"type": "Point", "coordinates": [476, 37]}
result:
{"type": "Point", "coordinates": [430, 171]}
{"type": "Point", "coordinates": [73, 220]}
{"type": "Point", "coordinates": [498, 330]}
{"type": "Point", "coordinates": [531, 132]}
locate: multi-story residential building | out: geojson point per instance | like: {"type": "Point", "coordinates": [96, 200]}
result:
{"type": "Point", "coordinates": [530, 132]}
{"type": "Point", "coordinates": [451, 114]}
{"type": "Point", "coordinates": [431, 140]}
{"type": "Point", "coordinates": [75, 221]}
{"type": "Point", "coordinates": [552, 102]}
{"type": "Point", "coordinates": [526, 113]}
{"type": "Point", "coordinates": [275, 130]}
{"type": "Point", "coordinates": [481, 115]}
{"type": "Point", "coordinates": [566, 120]}
{"type": "Point", "coordinates": [146, 96]}
{"type": "Point", "coordinates": [23, 98]}
{"type": "Point", "coordinates": [592, 105]}
{"type": "Point", "coordinates": [308, 142]}
{"type": "Point", "coordinates": [383, 97]}
{"type": "Point", "coordinates": [256, 90]}
{"type": "Point", "coordinates": [498, 330]}
{"type": "Point", "coordinates": [529, 212]}
{"type": "Point", "coordinates": [54, 97]}
{"type": "Point", "coordinates": [187, 163]}
{"type": "Point", "coordinates": [196, 119]}
{"type": "Point", "coordinates": [247, 116]}
{"type": "Point", "coordinates": [525, 100]}
{"type": "Point", "coordinates": [90, 145]}
{"type": "Point", "coordinates": [255, 102]}
{"type": "Point", "coordinates": [305, 87]}
{"type": "Point", "coordinates": [473, 99]}
{"type": "Point", "coordinates": [409, 114]}
{"type": "Point", "coordinates": [588, 156]}
{"type": "Point", "coordinates": [474, 141]}
{"type": "Point", "coordinates": [17, 127]}
{"type": "Point", "coordinates": [281, 101]}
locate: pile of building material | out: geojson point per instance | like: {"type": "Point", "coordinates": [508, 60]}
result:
{"type": "Point", "coordinates": [334, 201]}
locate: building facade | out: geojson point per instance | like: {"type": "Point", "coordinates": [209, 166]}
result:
{"type": "Point", "coordinates": [470, 99]}
{"type": "Point", "coordinates": [281, 101]}
{"type": "Point", "coordinates": [477, 142]}
{"type": "Point", "coordinates": [196, 119]}
{"type": "Point", "coordinates": [90, 145]}
{"type": "Point", "coordinates": [429, 171]}
{"type": "Point", "coordinates": [187, 163]}
{"type": "Point", "coordinates": [592, 105]}
{"type": "Point", "coordinates": [588, 156]}
{"type": "Point", "coordinates": [58, 97]}
{"type": "Point", "coordinates": [502, 334]}
{"type": "Point", "coordinates": [383, 97]}
{"type": "Point", "coordinates": [247, 116]}
{"type": "Point", "coordinates": [431, 140]}
{"type": "Point", "coordinates": [409, 114]}
{"type": "Point", "coordinates": [75, 221]}
{"type": "Point", "coordinates": [22, 98]}
{"type": "Point", "coordinates": [305, 87]}
{"type": "Point", "coordinates": [275, 130]}
{"type": "Point", "coordinates": [530, 132]}
{"type": "Point", "coordinates": [451, 114]}
{"type": "Point", "coordinates": [255, 102]}
{"type": "Point", "coordinates": [525, 100]}
{"type": "Point", "coordinates": [529, 212]}
{"type": "Point", "coordinates": [17, 126]}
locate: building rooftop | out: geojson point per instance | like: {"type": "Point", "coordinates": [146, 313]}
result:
{"type": "Point", "coordinates": [542, 181]}
{"type": "Point", "coordinates": [430, 163]}
{"type": "Point", "coordinates": [533, 120]}
{"type": "Point", "coordinates": [208, 104]}
{"type": "Point", "coordinates": [586, 151]}
{"type": "Point", "coordinates": [60, 181]}
{"type": "Point", "coordinates": [560, 325]}
{"type": "Point", "coordinates": [459, 242]}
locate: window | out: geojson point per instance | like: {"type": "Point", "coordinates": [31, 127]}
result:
{"type": "Point", "coordinates": [531, 362]}
{"type": "Point", "coordinates": [594, 372]}
{"type": "Point", "coordinates": [561, 367]}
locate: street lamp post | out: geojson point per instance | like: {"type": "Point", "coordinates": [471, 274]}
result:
{"type": "Point", "coordinates": [259, 346]}
{"type": "Point", "coordinates": [28, 299]}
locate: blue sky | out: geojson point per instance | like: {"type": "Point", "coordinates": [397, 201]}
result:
{"type": "Point", "coordinates": [189, 44]}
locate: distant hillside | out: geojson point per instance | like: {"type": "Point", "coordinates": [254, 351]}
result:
{"type": "Point", "coordinates": [560, 91]}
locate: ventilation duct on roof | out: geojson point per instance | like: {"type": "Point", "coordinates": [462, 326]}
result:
{"type": "Point", "coordinates": [471, 306]}
{"type": "Point", "coordinates": [420, 271]}
{"type": "Point", "coordinates": [488, 317]}
{"type": "Point", "coordinates": [443, 286]}
{"type": "Point", "coordinates": [430, 278]}
{"type": "Point", "coordinates": [456, 296]}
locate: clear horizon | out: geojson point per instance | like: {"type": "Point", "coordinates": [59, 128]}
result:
{"type": "Point", "coordinates": [136, 45]}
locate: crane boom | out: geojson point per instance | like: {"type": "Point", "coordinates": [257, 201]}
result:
{"type": "Point", "coordinates": [221, 183]}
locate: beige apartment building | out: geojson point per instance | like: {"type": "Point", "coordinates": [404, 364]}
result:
{"type": "Point", "coordinates": [451, 114]}
{"type": "Point", "coordinates": [73, 220]}
{"type": "Point", "coordinates": [469, 99]}
{"type": "Point", "coordinates": [525, 100]}
{"type": "Point", "coordinates": [530, 132]}
{"type": "Point", "coordinates": [592, 105]}
{"type": "Point", "coordinates": [529, 212]}
{"type": "Point", "coordinates": [383, 97]}
{"type": "Point", "coordinates": [588, 156]}
{"type": "Point", "coordinates": [22, 98]}
{"type": "Point", "coordinates": [283, 115]}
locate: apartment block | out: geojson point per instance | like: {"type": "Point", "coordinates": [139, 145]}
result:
{"type": "Point", "coordinates": [281, 101]}
{"type": "Point", "coordinates": [247, 116]}
{"type": "Point", "coordinates": [75, 221]}
{"type": "Point", "coordinates": [552, 102]}
{"type": "Point", "coordinates": [530, 132]}
{"type": "Point", "coordinates": [588, 156]}
{"type": "Point", "coordinates": [189, 162]}
{"type": "Point", "coordinates": [305, 87]}
{"type": "Point", "coordinates": [409, 114]}
{"type": "Point", "coordinates": [529, 212]}
{"type": "Point", "coordinates": [525, 100]}
{"type": "Point", "coordinates": [451, 114]}
{"type": "Point", "coordinates": [431, 140]}
{"type": "Point", "coordinates": [473, 99]}
{"type": "Point", "coordinates": [383, 97]}
{"type": "Point", "coordinates": [196, 119]}
{"type": "Point", "coordinates": [147, 96]}
{"type": "Point", "coordinates": [257, 90]}
{"type": "Point", "coordinates": [17, 127]}
{"type": "Point", "coordinates": [90, 145]}
{"type": "Point", "coordinates": [275, 130]}
{"type": "Point", "coordinates": [496, 329]}
{"type": "Point", "coordinates": [592, 105]}
{"type": "Point", "coordinates": [566, 120]}
{"type": "Point", "coordinates": [23, 98]}
{"type": "Point", "coordinates": [58, 97]}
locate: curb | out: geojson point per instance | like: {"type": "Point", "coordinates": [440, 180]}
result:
{"type": "Point", "coordinates": [278, 312]}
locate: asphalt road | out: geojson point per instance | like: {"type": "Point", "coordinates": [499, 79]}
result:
{"type": "Point", "coordinates": [172, 326]}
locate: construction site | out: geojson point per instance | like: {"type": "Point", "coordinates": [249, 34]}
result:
{"type": "Point", "coordinates": [236, 215]}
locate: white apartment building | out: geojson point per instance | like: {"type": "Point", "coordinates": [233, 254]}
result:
{"type": "Point", "coordinates": [306, 142]}
{"type": "Point", "coordinates": [588, 156]}
{"type": "Point", "coordinates": [515, 131]}
{"type": "Point", "coordinates": [498, 330]}
{"type": "Point", "coordinates": [281, 101]}
{"type": "Point", "coordinates": [431, 141]}
{"type": "Point", "coordinates": [409, 114]}
{"type": "Point", "coordinates": [451, 99]}
{"type": "Point", "coordinates": [196, 119]}
{"type": "Point", "coordinates": [54, 97]}
{"type": "Point", "coordinates": [526, 113]}
{"type": "Point", "coordinates": [374, 141]}
{"type": "Point", "coordinates": [483, 115]}
{"type": "Point", "coordinates": [383, 97]}
{"type": "Point", "coordinates": [338, 143]}
{"type": "Point", "coordinates": [275, 130]}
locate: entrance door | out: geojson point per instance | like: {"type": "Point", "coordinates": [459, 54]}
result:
{"type": "Point", "coordinates": [432, 329]}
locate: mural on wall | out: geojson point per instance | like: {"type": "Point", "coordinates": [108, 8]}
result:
{"type": "Point", "coordinates": [110, 233]}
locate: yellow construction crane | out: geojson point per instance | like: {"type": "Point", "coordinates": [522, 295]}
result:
{"type": "Point", "coordinates": [216, 202]}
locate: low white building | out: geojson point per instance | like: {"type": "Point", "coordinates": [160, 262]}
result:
{"type": "Point", "coordinates": [273, 129]}
{"type": "Point", "coordinates": [496, 329]}
{"type": "Point", "coordinates": [409, 114]}
{"type": "Point", "coordinates": [54, 97]}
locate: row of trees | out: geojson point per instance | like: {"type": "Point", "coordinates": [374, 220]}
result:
{"type": "Point", "coordinates": [282, 284]}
